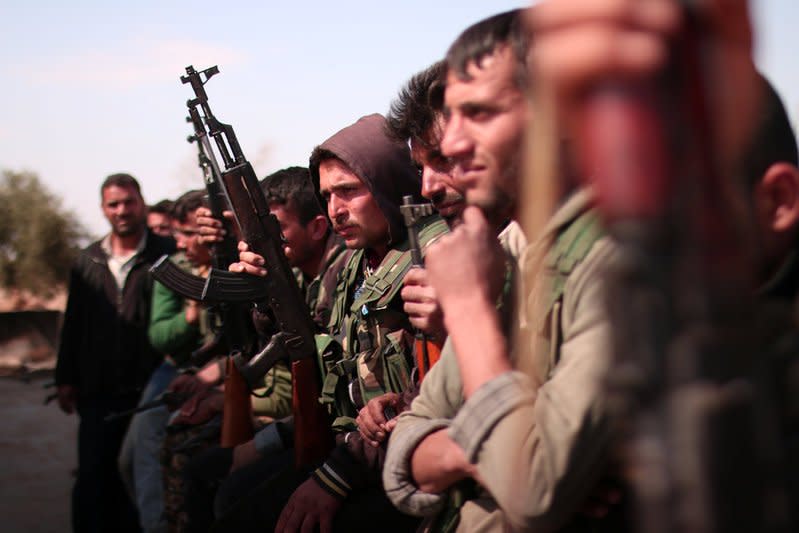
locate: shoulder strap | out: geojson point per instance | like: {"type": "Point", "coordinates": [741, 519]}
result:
{"type": "Point", "coordinates": [345, 279]}
{"type": "Point", "coordinates": [571, 246]}
{"type": "Point", "coordinates": [382, 286]}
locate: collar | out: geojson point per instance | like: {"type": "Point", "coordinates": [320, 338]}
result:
{"type": "Point", "coordinates": [105, 244]}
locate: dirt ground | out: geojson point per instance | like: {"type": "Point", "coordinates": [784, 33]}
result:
{"type": "Point", "coordinates": [37, 456]}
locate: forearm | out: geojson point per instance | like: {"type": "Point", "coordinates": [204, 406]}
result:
{"type": "Point", "coordinates": [480, 346]}
{"type": "Point", "coordinates": [539, 453]}
{"type": "Point", "coordinates": [438, 463]}
{"type": "Point", "coordinates": [438, 401]}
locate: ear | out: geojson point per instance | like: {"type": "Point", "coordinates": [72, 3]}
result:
{"type": "Point", "coordinates": [317, 227]}
{"type": "Point", "coordinates": [780, 185]}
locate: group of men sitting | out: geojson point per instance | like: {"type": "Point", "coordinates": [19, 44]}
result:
{"type": "Point", "coordinates": [508, 427]}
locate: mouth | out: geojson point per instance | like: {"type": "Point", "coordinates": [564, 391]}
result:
{"type": "Point", "coordinates": [345, 231]}
{"type": "Point", "coordinates": [450, 208]}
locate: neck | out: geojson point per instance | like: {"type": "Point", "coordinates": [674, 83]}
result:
{"type": "Point", "coordinates": [125, 244]}
{"type": "Point", "coordinates": [375, 255]}
{"type": "Point", "coordinates": [313, 266]}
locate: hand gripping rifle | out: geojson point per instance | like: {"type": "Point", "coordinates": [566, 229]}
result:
{"type": "Point", "coordinates": [427, 351]}
{"type": "Point", "coordinates": [230, 321]}
{"type": "Point", "coordinates": [294, 340]}
{"type": "Point", "coordinates": [681, 391]}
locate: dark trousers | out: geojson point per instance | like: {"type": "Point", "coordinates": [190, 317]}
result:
{"type": "Point", "coordinates": [100, 502]}
{"type": "Point", "coordinates": [201, 478]}
{"type": "Point", "coordinates": [364, 510]}
{"type": "Point", "coordinates": [209, 491]}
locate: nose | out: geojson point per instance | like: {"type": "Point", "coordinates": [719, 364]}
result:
{"type": "Point", "coordinates": [454, 141]}
{"type": "Point", "coordinates": [123, 208]}
{"type": "Point", "coordinates": [336, 208]}
{"type": "Point", "coordinates": [431, 185]}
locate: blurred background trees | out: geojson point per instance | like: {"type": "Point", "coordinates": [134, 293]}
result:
{"type": "Point", "coordinates": [39, 239]}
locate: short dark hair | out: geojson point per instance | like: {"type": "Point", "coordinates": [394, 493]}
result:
{"type": "Point", "coordinates": [291, 187]}
{"type": "Point", "coordinates": [417, 106]}
{"type": "Point", "coordinates": [187, 203]}
{"type": "Point", "coordinates": [484, 38]}
{"type": "Point", "coordinates": [164, 207]}
{"type": "Point", "coordinates": [773, 140]}
{"type": "Point", "coordinates": [121, 179]}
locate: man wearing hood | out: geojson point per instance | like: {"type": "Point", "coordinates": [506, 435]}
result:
{"type": "Point", "coordinates": [361, 175]}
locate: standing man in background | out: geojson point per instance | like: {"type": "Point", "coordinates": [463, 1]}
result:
{"type": "Point", "coordinates": [105, 358]}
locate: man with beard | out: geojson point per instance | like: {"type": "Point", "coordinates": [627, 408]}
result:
{"type": "Point", "coordinates": [362, 175]}
{"type": "Point", "coordinates": [105, 358]}
{"type": "Point", "coordinates": [530, 427]}
{"type": "Point", "coordinates": [431, 467]}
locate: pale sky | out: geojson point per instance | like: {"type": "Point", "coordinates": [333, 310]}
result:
{"type": "Point", "coordinates": [89, 88]}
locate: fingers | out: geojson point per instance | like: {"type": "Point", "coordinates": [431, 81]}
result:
{"type": "Point", "coordinates": [368, 427]}
{"type": "Point", "coordinates": [391, 424]}
{"type": "Point", "coordinates": [655, 15]}
{"type": "Point", "coordinates": [416, 277]}
{"type": "Point", "coordinates": [326, 523]}
{"type": "Point", "coordinates": [309, 523]}
{"type": "Point", "coordinates": [371, 420]}
{"type": "Point", "coordinates": [580, 42]}
{"type": "Point", "coordinates": [473, 221]}
{"type": "Point", "coordinates": [249, 262]}
{"type": "Point", "coordinates": [418, 293]}
{"type": "Point", "coordinates": [211, 230]}
{"type": "Point", "coordinates": [283, 521]}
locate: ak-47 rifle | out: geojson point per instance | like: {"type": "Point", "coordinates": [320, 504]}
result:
{"type": "Point", "coordinates": [230, 321]}
{"type": "Point", "coordinates": [681, 306]}
{"type": "Point", "coordinates": [427, 351]}
{"type": "Point", "coordinates": [294, 340]}
{"type": "Point", "coordinates": [168, 398]}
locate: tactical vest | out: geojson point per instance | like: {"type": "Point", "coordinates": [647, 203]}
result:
{"type": "Point", "coordinates": [375, 336]}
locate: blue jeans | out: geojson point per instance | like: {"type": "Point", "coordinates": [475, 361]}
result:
{"type": "Point", "coordinates": [141, 451]}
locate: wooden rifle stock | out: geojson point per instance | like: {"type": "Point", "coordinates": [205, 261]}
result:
{"type": "Point", "coordinates": [237, 411]}
{"type": "Point", "coordinates": [428, 352]}
{"type": "Point", "coordinates": [310, 444]}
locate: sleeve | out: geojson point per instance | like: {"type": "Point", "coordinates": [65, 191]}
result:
{"type": "Point", "coordinates": [536, 448]}
{"type": "Point", "coordinates": [355, 464]}
{"type": "Point", "coordinates": [169, 333]}
{"type": "Point", "coordinates": [439, 399]}
{"type": "Point", "coordinates": [67, 372]}
{"type": "Point", "coordinates": [275, 398]}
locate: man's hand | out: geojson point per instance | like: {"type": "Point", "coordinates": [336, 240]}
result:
{"type": "Point", "coordinates": [438, 463]}
{"type": "Point", "coordinates": [200, 408]}
{"type": "Point", "coordinates": [67, 398]}
{"type": "Point", "coordinates": [192, 312]}
{"type": "Point", "coordinates": [371, 420]}
{"type": "Point", "coordinates": [244, 454]}
{"type": "Point", "coordinates": [580, 44]}
{"type": "Point", "coordinates": [466, 264]}
{"type": "Point", "coordinates": [211, 229]}
{"type": "Point", "coordinates": [466, 268]}
{"type": "Point", "coordinates": [421, 304]}
{"type": "Point", "coordinates": [249, 262]}
{"type": "Point", "coordinates": [310, 506]}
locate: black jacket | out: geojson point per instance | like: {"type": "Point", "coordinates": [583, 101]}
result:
{"type": "Point", "coordinates": [104, 349]}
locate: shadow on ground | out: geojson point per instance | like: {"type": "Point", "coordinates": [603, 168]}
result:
{"type": "Point", "coordinates": [37, 456]}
